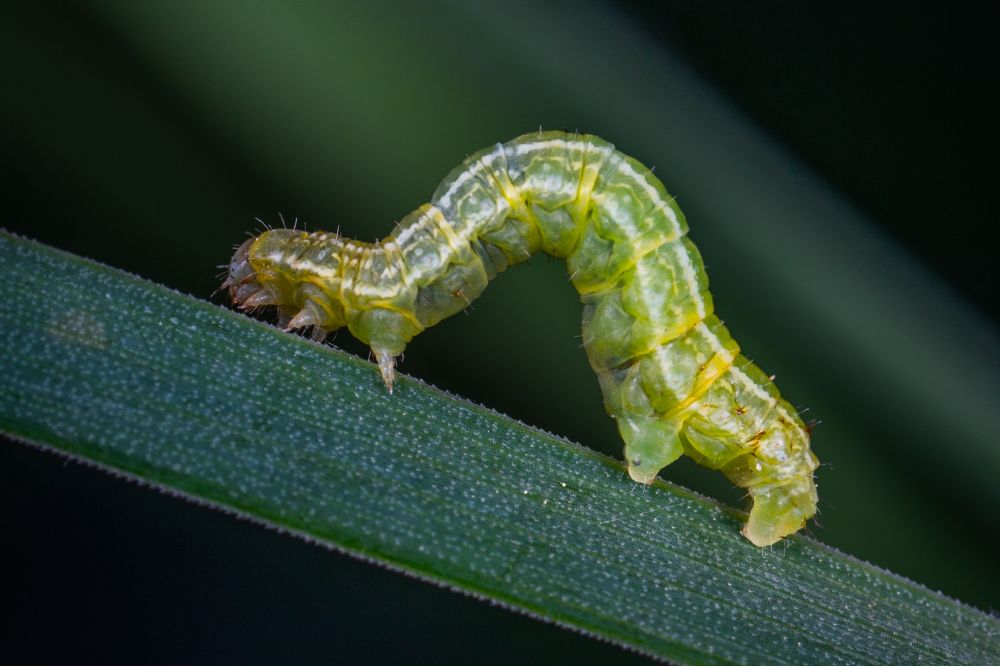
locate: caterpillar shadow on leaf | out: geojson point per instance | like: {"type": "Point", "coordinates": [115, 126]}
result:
{"type": "Point", "coordinates": [672, 376]}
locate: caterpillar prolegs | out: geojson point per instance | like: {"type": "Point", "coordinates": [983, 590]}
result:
{"type": "Point", "coordinates": [672, 376]}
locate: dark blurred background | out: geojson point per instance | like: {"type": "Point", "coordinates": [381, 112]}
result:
{"type": "Point", "coordinates": [836, 167]}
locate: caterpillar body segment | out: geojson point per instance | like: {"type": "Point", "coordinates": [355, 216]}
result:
{"type": "Point", "coordinates": [671, 374]}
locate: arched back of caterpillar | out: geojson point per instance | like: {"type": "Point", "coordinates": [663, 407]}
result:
{"type": "Point", "coordinates": [672, 376]}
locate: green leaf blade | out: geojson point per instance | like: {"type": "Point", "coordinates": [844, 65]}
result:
{"type": "Point", "coordinates": [200, 401]}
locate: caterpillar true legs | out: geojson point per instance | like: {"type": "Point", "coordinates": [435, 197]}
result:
{"type": "Point", "coordinates": [671, 374]}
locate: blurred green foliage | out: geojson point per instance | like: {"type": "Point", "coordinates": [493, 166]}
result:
{"type": "Point", "coordinates": [150, 136]}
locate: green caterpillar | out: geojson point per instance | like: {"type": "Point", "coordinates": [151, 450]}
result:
{"type": "Point", "coordinates": [671, 374]}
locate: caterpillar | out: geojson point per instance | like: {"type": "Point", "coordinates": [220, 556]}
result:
{"type": "Point", "coordinates": [671, 375]}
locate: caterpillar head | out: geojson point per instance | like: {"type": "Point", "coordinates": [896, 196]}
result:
{"type": "Point", "coordinates": [250, 284]}
{"type": "Point", "coordinates": [250, 288]}
{"type": "Point", "coordinates": [240, 280]}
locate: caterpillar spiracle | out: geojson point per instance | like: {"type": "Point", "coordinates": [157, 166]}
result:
{"type": "Point", "coordinates": [672, 376]}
